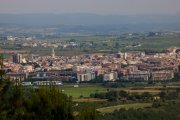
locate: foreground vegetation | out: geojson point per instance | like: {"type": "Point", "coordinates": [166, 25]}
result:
{"type": "Point", "coordinates": [20, 103]}
{"type": "Point", "coordinates": [166, 112]}
{"type": "Point", "coordinates": [111, 109]}
{"type": "Point", "coordinates": [44, 104]}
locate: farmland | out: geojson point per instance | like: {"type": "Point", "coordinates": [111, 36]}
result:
{"type": "Point", "coordinates": [111, 109]}
{"type": "Point", "coordinates": [98, 44]}
{"type": "Point", "coordinates": [81, 96]}
{"type": "Point", "coordinates": [111, 44]}
{"type": "Point", "coordinates": [84, 90]}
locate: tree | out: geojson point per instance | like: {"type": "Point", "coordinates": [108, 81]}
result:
{"type": "Point", "coordinates": [162, 95]}
{"type": "Point", "coordinates": [18, 103]}
{"type": "Point", "coordinates": [88, 112]}
{"type": "Point", "coordinates": [146, 95]}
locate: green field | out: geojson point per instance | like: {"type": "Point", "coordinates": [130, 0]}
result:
{"type": "Point", "coordinates": [110, 109]}
{"type": "Point", "coordinates": [84, 91]}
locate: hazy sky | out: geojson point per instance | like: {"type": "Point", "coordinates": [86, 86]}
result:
{"type": "Point", "coordinates": [91, 6]}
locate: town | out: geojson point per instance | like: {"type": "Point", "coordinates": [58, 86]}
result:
{"type": "Point", "coordinates": [133, 66]}
{"type": "Point", "coordinates": [89, 60]}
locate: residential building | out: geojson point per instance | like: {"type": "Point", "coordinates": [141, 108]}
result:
{"type": "Point", "coordinates": [162, 75]}
{"type": "Point", "coordinates": [138, 76]}
{"type": "Point", "coordinates": [85, 76]}
{"type": "Point", "coordinates": [18, 77]}
{"type": "Point", "coordinates": [112, 76]}
{"type": "Point", "coordinates": [17, 58]}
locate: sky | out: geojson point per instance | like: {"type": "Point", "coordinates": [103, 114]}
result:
{"type": "Point", "coordinates": [104, 7]}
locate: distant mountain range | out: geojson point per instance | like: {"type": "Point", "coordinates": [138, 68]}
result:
{"type": "Point", "coordinates": [86, 19]}
{"type": "Point", "coordinates": [94, 24]}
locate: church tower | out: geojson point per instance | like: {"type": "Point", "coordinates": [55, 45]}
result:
{"type": "Point", "coordinates": [53, 53]}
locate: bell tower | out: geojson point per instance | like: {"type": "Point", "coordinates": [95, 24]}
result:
{"type": "Point", "coordinates": [53, 53]}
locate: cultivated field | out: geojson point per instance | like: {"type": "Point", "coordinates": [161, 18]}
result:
{"type": "Point", "coordinates": [82, 91]}
{"type": "Point", "coordinates": [110, 109]}
{"type": "Point", "coordinates": [102, 44]}
{"type": "Point", "coordinates": [86, 90]}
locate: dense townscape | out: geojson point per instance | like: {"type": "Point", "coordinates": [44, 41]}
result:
{"type": "Point", "coordinates": [123, 66]}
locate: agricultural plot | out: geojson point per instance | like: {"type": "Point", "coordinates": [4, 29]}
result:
{"type": "Point", "coordinates": [86, 90]}
{"type": "Point", "coordinates": [82, 91]}
{"type": "Point", "coordinates": [111, 109]}
{"type": "Point", "coordinates": [102, 44]}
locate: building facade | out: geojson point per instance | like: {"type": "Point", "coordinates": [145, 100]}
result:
{"type": "Point", "coordinates": [17, 58]}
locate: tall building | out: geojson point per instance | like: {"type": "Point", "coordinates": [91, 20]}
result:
{"type": "Point", "coordinates": [86, 76]}
{"type": "Point", "coordinates": [53, 53]}
{"type": "Point", "coordinates": [17, 58]}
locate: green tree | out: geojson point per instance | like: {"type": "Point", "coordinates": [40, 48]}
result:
{"type": "Point", "coordinates": [88, 112]}
{"type": "Point", "coordinates": [18, 103]}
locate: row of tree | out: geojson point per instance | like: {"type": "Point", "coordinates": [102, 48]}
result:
{"type": "Point", "coordinates": [123, 95]}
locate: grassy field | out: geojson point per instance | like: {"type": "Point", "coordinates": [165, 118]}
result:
{"type": "Point", "coordinates": [84, 91]}
{"type": "Point", "coordinates": [110, 109]}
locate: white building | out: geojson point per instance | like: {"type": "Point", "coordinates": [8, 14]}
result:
{"type": "Point", "coordinates": [112, 76]}
{"type": "Point", "coordinates": [85, 76]}
{"type": "Point", "coordinates": [81, 68]}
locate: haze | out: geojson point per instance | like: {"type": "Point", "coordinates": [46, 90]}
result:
{"type": "Point", "coordinates": [120, 7]}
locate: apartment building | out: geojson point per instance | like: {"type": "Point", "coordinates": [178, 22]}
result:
{"type": "Point", "coordinates": [162, 75]}
{"type": "Point", "coordinates": [138, 76]}
{"type": "Point", "coordinates": [85, 76]}
{"type": "Point", "coordinates": [111, 76]}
